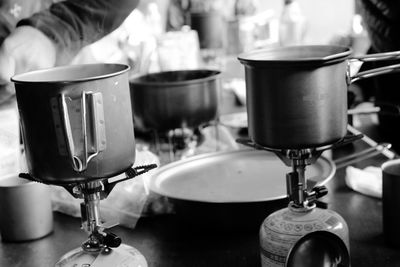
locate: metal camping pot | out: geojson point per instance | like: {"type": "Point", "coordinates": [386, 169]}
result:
{"type": "Point", "coordinates": [297, 96]}
{"type": "Point", "coordinates": [76, 121]}
{"type": "Point", "coordinates": [173, 99]}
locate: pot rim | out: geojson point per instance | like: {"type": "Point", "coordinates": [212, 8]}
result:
{"type": "Point", "coordinates": [295, 55]}
{"type": "Point", "coordinates": [105, 70]}
{"type": "Point", "coordinates": [138, 80]}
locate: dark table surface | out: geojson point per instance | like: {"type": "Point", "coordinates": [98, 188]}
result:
{"type": "Point", "coordinates": [163, 244]}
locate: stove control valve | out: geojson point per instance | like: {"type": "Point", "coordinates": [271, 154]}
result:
{"type": "Point", "coordinates": [111, 240]}
{"type": "Point", "coordinates": [316, 193]}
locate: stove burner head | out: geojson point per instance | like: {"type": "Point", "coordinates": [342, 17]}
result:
{"type": "Point", "coordinates": [298, 158]}
{"type": "Point", "coordinates": [178, 143]}
{"type": "Point", "coordinates": [307, 155]}
{"type": "Point", "coordinates": [183, 138]}
{"type": "Point", "coordinates": [173, 144]}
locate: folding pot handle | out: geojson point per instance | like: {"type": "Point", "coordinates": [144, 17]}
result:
{"type": "Point", "coordinates": [84, 128]}
{"type": "Point", "coordinates": [376, 71]}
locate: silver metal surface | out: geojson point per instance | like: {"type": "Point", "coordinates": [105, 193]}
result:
{"type": "Point", "coordinates": [320, 248]}
{"type": "Point", "coordinates": [92, 129]}
{"type": "Point", "coordinates": [246, 175]}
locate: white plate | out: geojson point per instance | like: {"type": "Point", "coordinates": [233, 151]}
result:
{"type": "Point", "coordinates": [230, 177]}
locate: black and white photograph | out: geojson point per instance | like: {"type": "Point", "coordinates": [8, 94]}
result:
{"type": "Point", "coordinates": [199, 133]}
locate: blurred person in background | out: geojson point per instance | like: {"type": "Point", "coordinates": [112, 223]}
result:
{"type": "Point", "coordinates": [46, 33]}
{"type": "Point", "coordinates": [381, 19]}
{"type": "Point", "coordinates": [178, 11]}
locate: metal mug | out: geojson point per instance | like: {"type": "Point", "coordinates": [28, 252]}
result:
{"type": "Point", "coordinates": [25, 210]}
{"type": "Point", "coordinates": [76, 122]}
{"type": "Point", "coordinates": [391, 202]}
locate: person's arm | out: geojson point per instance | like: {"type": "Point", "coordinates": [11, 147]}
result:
{"type": "Point", "coordinates": [75, 23]}
{"type": "Point", "coordinates": [25, 49]}
{"type": "Point", "coordinates": [55, 35]}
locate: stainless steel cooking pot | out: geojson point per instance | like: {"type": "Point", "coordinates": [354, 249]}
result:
{"type": "Point", "coordinates": [77, 122]}
{"type": "Point", "coordinates": [297, 96]}
{"type": "Point", "coordinates": [173, 99]}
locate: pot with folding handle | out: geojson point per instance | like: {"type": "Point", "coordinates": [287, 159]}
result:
{"type": "Point", "coordinates": [77, 122]}
{"type": "Point", "coordinates": [297, 96]}
{"type": "Point", "coordinates": [77, 126]}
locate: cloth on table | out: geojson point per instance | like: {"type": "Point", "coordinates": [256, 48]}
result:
{"type": "Point", "coordinates": [367, 181]}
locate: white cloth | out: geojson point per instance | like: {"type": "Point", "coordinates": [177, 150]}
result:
{"type": "Point", "coordinates": [123, 205]}
{"type": "Point", "coordinates": [367, 181]}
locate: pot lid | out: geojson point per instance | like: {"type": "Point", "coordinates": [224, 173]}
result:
{"type": "Point", "coordinates": [307, 54]}
{"type": "Point", "coordinates": [239, 176]}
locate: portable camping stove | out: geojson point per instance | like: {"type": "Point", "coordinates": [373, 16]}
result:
{"type": "Point", "coordinates": [176, 144]}
{"type": "Point", "coordinates": [102, 248]}
{"type": "Point", "coordinates": [288, 237]}
{"type": "Point", "coordinates": [87, 143]}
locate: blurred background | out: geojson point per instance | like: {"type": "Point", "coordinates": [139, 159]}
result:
{"type": "Point", "coordinates": [159, 30]}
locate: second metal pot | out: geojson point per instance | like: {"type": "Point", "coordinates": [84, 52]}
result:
{"type": "Point", "coordinates": [297, 96]}
{"type": "Point", "coordinates": [174, 99]}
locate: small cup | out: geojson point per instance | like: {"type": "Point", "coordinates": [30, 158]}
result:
{"type": "Point", "coordinates": [391, 202]}
{"type": "Point", "coordinates": [25, 210]}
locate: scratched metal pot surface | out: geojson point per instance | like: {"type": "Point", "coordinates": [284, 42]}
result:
{"type": "Point", "coordinates": [76, 122]}
{"type": "Point", "coordinates": [297, 96]}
